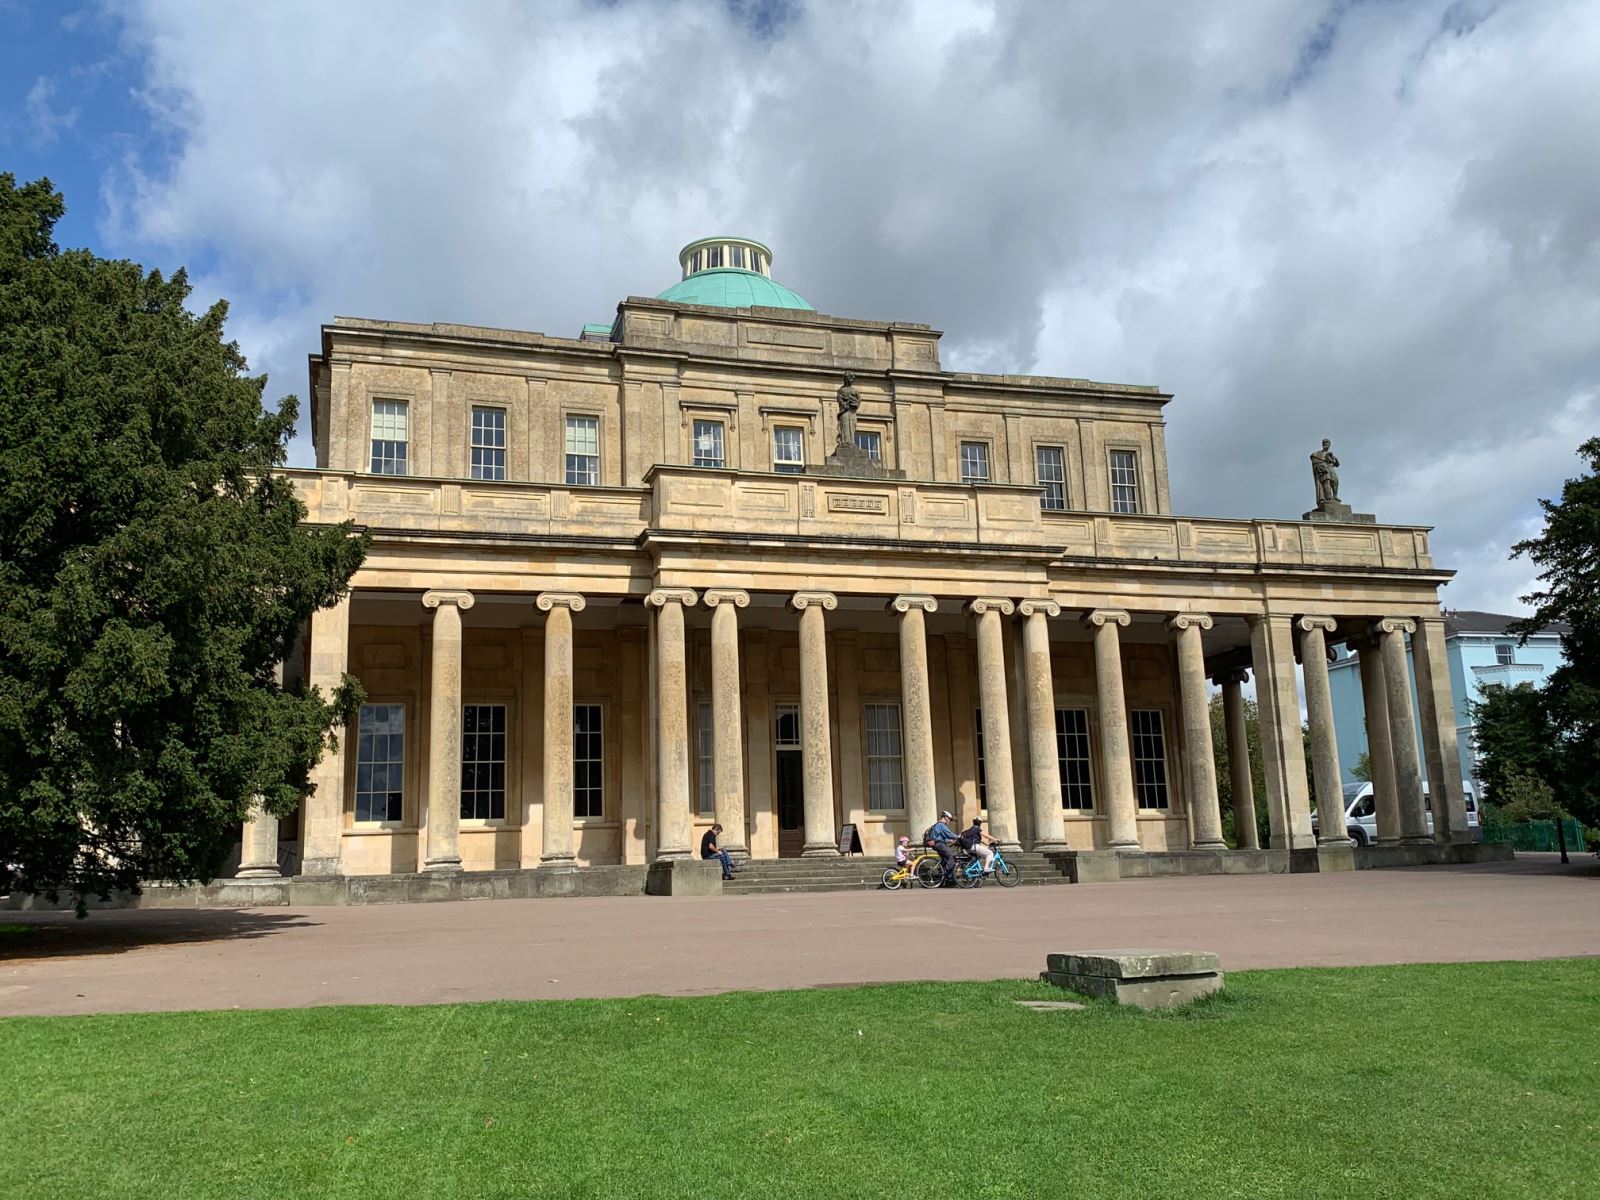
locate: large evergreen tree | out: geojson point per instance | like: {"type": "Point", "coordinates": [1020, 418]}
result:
{"type": "Point", "coordinates": [1554, 733]}
{"type": "Point", "coordinates": [153, 570]}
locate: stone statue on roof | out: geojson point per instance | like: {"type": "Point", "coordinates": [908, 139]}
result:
{"type": "Point", "coordinates": [1325, 473]}
{"type": "Point", "coordinates": [849, 401]}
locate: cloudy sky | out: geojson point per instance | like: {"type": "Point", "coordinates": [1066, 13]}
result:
{"type": "Point", "coordinates": [1375, 222]}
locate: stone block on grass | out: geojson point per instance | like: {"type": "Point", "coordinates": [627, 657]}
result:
{"type": "Point", "coordinates": [1145, 978]}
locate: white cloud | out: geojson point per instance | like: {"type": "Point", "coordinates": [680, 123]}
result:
{"type": "Point", "coordinates": [1375, 223]}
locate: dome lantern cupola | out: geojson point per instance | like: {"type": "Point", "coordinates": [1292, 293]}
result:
{"type": "Point", "coordinates": [730, 272]}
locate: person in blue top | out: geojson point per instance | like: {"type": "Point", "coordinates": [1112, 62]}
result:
{"type": "Point", "coordinates": [940, 837]}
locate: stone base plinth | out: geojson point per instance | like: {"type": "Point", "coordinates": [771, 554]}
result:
{"type": "Point", "coordinates": [1336, 856]}
{"type": "Point", "coordinates": [1425, 854]}
{"type": "Point", "coordinates": [1144, 978]}
{"type": "Point", "coordinates": [852, 462]}
{"type": "Point", "coordinates": [684, 877]}
{"type": "Point", "coordinates": [1332, 510]}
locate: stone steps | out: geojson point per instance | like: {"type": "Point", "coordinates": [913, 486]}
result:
{"type": "Point", "coordinates": [766, 876]}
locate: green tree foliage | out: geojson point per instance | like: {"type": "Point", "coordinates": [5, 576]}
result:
{"type": "Point", "coordinates": [1363, 768]}
{"type": "Point", "coordinates": [1515, 739]}
{"type": "Point", "coordinates": [153, 569]}
{"type": "Point", "coordinates": [1554, 733]}
{"type": "Point", "coordinates": [1219, 744]}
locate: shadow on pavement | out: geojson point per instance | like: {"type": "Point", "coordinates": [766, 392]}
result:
{"type": "Point", "coordinates": [26, 935]}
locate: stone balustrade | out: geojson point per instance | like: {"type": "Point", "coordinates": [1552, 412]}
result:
{"type": "Point", "coordinates": [733, 504]}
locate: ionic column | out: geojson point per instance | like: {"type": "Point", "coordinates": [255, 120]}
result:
{"type": "Point", "coordinates": [672, 723]}
{"type": "Point", "coordinates": [322, 815]}
{"type": "Point", "coordinates": [916, 706]}
{"type": "Point", "coordinates": [726, 718]}
{"type": "Point", "coordinates": [1238, 734]}
{"type": "Point", "coordinates": [1200, 765]}
{"type": "Point", "coordinates": [1049, 831]}
{"type": "Point", "coordinates": [999, 781]}
{"type": "Point", "coordinates": [1402, 727]}
{"type": "Point", "coordinates": [1111, 711]}
{"type": "Point", "coordinates": [817, 746]}
{"type": "Point", "coordinates": [1437, 710]}
{"type": "Point", "coordinates": [1380, 754]}
{"type": "Point", "coordinates": [1325, 770]}
{"type": "Point", "coordinates": [556, 824]}
{"type": "Point", "coordinates": [1283, 755]}
{"type": "Point", "coordinates": [444, 731]}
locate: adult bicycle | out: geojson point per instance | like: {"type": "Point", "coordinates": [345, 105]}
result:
{"type": "Point", "coordinates": [970, 872]}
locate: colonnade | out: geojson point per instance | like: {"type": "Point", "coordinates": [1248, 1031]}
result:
{"type": "Point", "coordinates": [1394, 749]}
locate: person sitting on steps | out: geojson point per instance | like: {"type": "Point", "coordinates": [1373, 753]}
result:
{"type": "Point", "coordinates": [710, 849]}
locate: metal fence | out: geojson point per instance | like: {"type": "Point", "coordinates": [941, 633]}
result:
{"type": "Point", "coordinates": [1537, 835]}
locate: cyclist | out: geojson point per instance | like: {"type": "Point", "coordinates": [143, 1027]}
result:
{"type": "Point", "coordinates": [975, 841]}
{"type": "Point", "coordinates": [902, 853]}
{"type": "Point", "coordinates": [939, 837]}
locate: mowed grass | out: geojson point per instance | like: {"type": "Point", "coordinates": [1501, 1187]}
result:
{"type": "Point", "coordinates": [1457, 1080]}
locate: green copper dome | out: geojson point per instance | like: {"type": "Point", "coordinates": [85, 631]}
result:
{"type": "Point", "coordinates": [730, 272]}
{"type": "Point", "coordinates": [726, 287]}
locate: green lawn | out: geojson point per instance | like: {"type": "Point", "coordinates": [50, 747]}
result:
{"type": "Point", "coordinates": [1471, 1080]}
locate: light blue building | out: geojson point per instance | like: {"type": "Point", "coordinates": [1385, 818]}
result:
{"type": "Point", "coordinates": [1480, 653]}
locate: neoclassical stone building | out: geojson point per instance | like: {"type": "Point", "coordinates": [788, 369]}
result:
{"type": "Point", "coordinates": [625, 584]}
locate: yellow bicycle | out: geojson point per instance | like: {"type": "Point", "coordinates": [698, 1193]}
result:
{"type": "Point", "coordinates": [923, 868]}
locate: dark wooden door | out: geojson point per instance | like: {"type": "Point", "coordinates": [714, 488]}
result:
{"type": "Point", "coordinates": [791, 805]}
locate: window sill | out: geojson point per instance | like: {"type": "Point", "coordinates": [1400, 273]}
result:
{"type": "Point", "coordinates": [378, 829]}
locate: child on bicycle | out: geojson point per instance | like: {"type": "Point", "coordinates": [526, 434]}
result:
{"type": "Point", "coordinates": [902, 853]}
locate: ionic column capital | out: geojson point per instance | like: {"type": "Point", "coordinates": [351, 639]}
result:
{"type": "Point", "coordinates": [983, 604]}
{"type": "Point", "coordinates": [734, 597]}
{"type": "Point", "coordinates": [1239, 676]}
{"type": "Point", "coordinates": [1048, 608]}
{"type": "Point", "coordinates": [1307, 624]}
{"type": "Point", "coordinates": [1394, 625]}
{"type": "Point", "coordinates": [907, 602]}
{"type": "Point", "coordinates": [826, 601]}
{"type": "Point", "coordinates": [664, 596]}
{"type": "Point", "coordinates": [1096, 618]}
{"type": "Point", "coordinates": [462, 600]}
{"type": "Point", "coordinates": [548, 600]}
{"type": "Point", "coordinates": [1180, 621]}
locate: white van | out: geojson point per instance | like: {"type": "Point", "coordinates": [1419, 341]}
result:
{"type": "Point", "coordinates": [1361, 812]}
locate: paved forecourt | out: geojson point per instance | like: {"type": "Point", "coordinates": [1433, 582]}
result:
{"type": "Point", "coordinates": [131, 961]}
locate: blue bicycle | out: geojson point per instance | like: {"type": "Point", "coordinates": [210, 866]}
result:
{"type": "Point", "coordinates": [970, 872]}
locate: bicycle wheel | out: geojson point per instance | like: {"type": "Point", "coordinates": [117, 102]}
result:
{"type": "Point", "coordinates": [965, 879]}
{"type": "Point", "coordinates": [928, 872]}
{"type": "Point", "coordinates": [1006, 875]}
{"type": "Point", "coordinates": [892, 878]}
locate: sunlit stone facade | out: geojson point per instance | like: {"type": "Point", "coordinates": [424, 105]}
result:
{"type": "Point", "coordinates": [615, 592]}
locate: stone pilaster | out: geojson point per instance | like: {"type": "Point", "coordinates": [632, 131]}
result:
{"type": "Point", "coordinates": [556, 823]}
{"type": "Point", "coordinates": [322, 816]}
{"type": "Point", "coordinates": [1380, 753]}
{"type": "Point", "coordinates": [727, 717]}
{"type": "Point", "coordinates": [672, 723]}
{"type": "Point", "coordinates": [1325, 770]}
{"type": "Point", "coordinates": [1237, 729]}
{"type": "Point", "coordinates": [1200, 764]}
{"type": "Point", "coordinates": [916, 707]}
{"type": "Point", "coordinates": [1111, 713]}
{"type": "Point", "coordinates": [999, 779]}
{"type": "Point", "coordinates": [444, 731]}
{"type": "Point", "coordinates": [1391, 633]}
{"type": "Point", "coordinates": [817, 745]}
{"type": "Point", "coordinates": [1437, 710]}
{"type": "Point", "coordinates": [1049, 831]}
